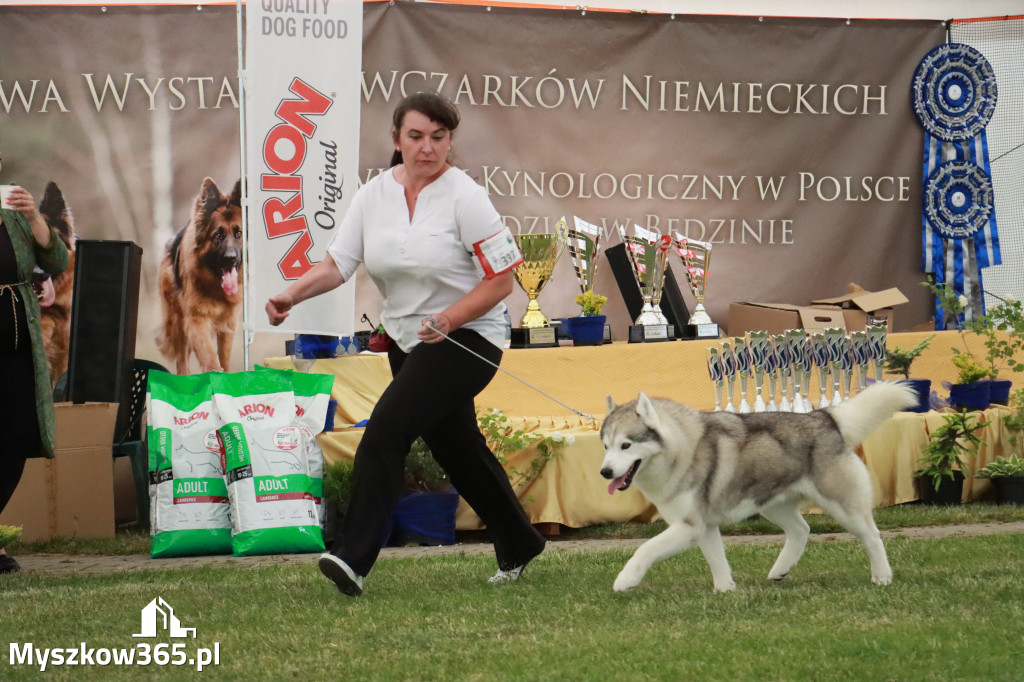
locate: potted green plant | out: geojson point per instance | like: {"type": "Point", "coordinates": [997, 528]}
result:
{"type": "Point", "coordinates": [942, 462]}
{"type": "Point", "coordinates": [1002, 330]}
{"type": "Point", "coordinates": [1007, 476]}
{"type": "Point", "coordinates": [425, 514]}
{"type": "Point", "coordinates": [337, 492]}
{"type": "Point", "coordinates": [587, 329]}
{"type": "Point", "coordinates": [898, 361]}
{"type": "Point", "coordinates": [504, 440]}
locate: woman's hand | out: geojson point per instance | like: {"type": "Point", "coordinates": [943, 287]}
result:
{"type": "Point", "coordinates": [20, 200]}
{"type": "Point", "coordinates": [278, 306]}
{"type": "Point", "coordinates": [431, 326]}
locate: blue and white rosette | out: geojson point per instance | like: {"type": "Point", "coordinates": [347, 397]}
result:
{"type": "Point", "coordinates": [954, 97]}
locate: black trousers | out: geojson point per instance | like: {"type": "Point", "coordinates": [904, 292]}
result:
{"type": "Point", "coordinates": [19, 422]}
{"type": "Point", "coordinates": [431, 396]}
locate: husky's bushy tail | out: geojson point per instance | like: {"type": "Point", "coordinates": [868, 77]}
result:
{"type": "Point", "coordinates": [865, 412]}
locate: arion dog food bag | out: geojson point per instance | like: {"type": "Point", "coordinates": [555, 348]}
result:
{"type": "Point", "coordinates": [272, 510]}
{"type": "Point", "coordinates": [312, 400]}
{"type": "Point", "coordinates": [187, 492]}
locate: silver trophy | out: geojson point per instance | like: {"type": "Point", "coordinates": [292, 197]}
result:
{"type": "Point", "coordinates": [743, 369]}
{"type": "Point", "coordinates": [849, 363]}
{"type": "Point", "coordinates": [859, 343]}
{"type": "Point", "coordinates": [696, 257]}
{"type": "Point", "coordinates": [715, 372]}
{"type": "Point", "coordinates": [757, 343]}
{"type": "Point", "coordinates": [729, 371]}
{"type": "Point", "coordinates": [834, 339]}
{"type": "Point", "coordinates": [785, 369]}
{"type": "Point", "coordinates": [771, 363]}
{"type": "Point", "coordinates": [876, 335]}
{"type": "Point", "coordinates": [584, 244]}
{"type": "Point", "coordinates": [648, 255]}
{"type": "Point", "coordinates": [819, 350]}
{"type": "Point", "coordinates": [797, 356]}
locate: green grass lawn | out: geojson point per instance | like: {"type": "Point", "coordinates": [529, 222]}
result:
{"type": "Point", "coordinates": [954, 612]}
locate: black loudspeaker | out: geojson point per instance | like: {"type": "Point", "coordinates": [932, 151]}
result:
{"type": "Point", "coordinates": [672, 304]}
{"type": "Point", "coordinates": [104, 319]}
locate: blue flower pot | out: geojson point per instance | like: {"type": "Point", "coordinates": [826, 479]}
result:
{"type": "Point", "coordinates": [976, 395]}
{"type": "Point", "coordinates": [425, 519]}
{"type": "Point", "coordinates": [585, 330]}
{"type": "Point", "coordinates": [923, 388]}
{"type": "Point", "coordinates": [1000, 391]}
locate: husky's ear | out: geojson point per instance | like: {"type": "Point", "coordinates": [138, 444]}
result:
{"type": "Point", "coordinates": [609, 403]}
{"type": "Point", "coordinates": [645, 410]}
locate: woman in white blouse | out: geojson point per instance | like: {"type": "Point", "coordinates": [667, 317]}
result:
{"type": "Point", "coordinates": [436, 248]}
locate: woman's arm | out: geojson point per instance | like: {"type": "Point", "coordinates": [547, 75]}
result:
{"type": "Point", "coordinates": [478, 301]}
{"type": "Point", "coordinates": [21, 201]}
{"type": "Point", "coordinates": [319, 279]}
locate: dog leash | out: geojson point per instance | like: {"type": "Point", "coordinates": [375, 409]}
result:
{"type": "Point", "coordinates": [431, 321]}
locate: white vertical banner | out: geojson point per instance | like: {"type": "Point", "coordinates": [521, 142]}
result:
{"type": "Point", "coordinates": [302, 77]}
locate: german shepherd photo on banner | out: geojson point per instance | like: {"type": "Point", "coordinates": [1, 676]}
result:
{"type": "Point", "coordinates": [200, 282]}
{"type": "Point", "coordinates": [55, 290]}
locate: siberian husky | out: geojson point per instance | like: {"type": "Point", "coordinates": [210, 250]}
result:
{"type": "Point", "coordinates": [703, 470]}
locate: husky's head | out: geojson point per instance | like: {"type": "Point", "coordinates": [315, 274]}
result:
{"type": "Point", "coordinates": [630, 436]}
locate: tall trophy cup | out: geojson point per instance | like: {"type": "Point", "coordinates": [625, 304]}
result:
{"type": "Point", "coordinates": [715, 372]}
{"type": "Point", "coordinates": [758, 342]}
{"type": "Point", "coordinates": [834, 338]}
{"type": "Point", "coordinates": [859, 341]}
{"type": "Point", "coordinates": [648, 256]}
{"type": "Point", "coordinates": [584, 244]}
{"type": "Point", "coordinates": [819, 348]}
{"type": "Point", "coordinates": [729, 372]}
{"type": "Point", "coordinates": [785, 369]}
{"type": "Point", "coordinates": [696, 257]}
{"type": "Point", "coordinates": [540, 253]}
{"type": "Point", "coordinates": [798, 356]}
{"type": "Point", "coordinates": [742, 354]}
{"type": "Point", "coordinates": [771, 363]}
{"type": "Point", "coordinates": [876, 335]}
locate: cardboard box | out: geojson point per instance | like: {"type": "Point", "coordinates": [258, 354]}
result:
{"type": "Point", "coordinates": [862, 308]}
{"type": "Point", "coordinates": [71, 495]}
{"type": "Point", "coordinates": [776, 318]}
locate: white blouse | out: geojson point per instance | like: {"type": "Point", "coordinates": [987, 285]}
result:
{"type": "Point", "coordinates": [423, 265]}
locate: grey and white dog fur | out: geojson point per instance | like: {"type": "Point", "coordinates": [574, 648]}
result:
{"type": "Point", "coordinates": [702, 470]}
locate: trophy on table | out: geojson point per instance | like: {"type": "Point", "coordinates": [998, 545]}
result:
{"type": "Point", "coordinates": [849, 362]}
{"type": "Point", "coordinates": [584, 243]}
{"type": "Point", "coordinates": [715, 372]}
{"type": "Point", "coordinates": [819, 351]}
{"type": "Point", "coordinates": [648, 255]}
{"type": "Point", "coordinates": [758, 343]}
{"type": "Point", "coordinates": [696, 257]}
{"type": "Point", "coordinates": [770, 365]}
{"type": "Point", "coordinates": [876, 334]}
{"type": "Point", "coordinates": [785, 369]}
{"type": "Point", "coordinates": [729, 371]}
{"type": "Point", "coordinates": [834, 340]}
{"type": "Point", "coordinates": [859, 344]}
{"type": "Point", "coordinates": [540, 253]}
{"type": "Point", "coordinates": [799, 354]}
{"type": "Point", "coordinates": [742, 354]}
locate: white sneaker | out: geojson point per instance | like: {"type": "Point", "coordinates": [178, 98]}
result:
{"type": "Point", "coordinates": [348, 581]}
{"type": "Point", "coordinates": [507, 576]}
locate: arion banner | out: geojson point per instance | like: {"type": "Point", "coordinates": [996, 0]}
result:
{"type": "Point", "coordinates": [302, 130]}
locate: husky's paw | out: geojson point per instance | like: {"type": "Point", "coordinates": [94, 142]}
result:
{"type": "Point", "coordinates": [777, 576]}
{"type": "Point", "coordinates": [624, 582]}
{"type": "Point", "coordinates": [883, 579]}
{"type": "Point", "coordinates": [725, 587]}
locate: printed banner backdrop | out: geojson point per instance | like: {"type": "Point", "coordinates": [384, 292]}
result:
{"type": "Point", "coordinates": [302, 134]}
{"type": "Point", "coordinates": [790, 144]}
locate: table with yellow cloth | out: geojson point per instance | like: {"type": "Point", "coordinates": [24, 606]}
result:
{"type": "Point", "coordinates": [570, 490]}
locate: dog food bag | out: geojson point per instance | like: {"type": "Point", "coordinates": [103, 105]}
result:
{"type": "Point", "coordinates": [312, 401]}
{"type": "Point", "coordinates": [187, 492]}
{"type": "Point", "coordinates": [272, 510]}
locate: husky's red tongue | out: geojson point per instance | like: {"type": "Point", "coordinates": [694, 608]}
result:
{"type": "Point", "coordinates": [229, 281]}
{"type": "Point", "coordinates": [617, 483]}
